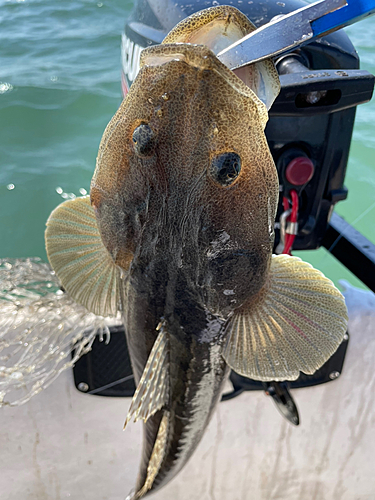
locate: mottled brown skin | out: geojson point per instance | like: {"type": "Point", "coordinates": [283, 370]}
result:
{"type": "Point", "coordinates": [193, 250]}
{"type": "Point", "coordinates": [195, 114]}
{"type": "Point", "coordinates": [223, 17]}
{"type": "Point", "coordinates": [217, 28]}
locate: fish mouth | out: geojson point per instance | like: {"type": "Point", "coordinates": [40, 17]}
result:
{"type": "Point", "coordinates": [195, 56]}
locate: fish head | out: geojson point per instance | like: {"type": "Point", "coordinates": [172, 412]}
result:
{"type": "Point", "coordinates": [184, 175]}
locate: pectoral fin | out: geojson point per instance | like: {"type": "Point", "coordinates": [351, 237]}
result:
{"type": "Point", "coordinates": [79, 258]}
{"type": "Point", "coordinates": [153, 388]}
{"type": "Point", "coordinates": [295, 324]}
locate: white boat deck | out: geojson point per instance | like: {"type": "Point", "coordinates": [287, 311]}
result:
{"type": "Point", "coordinates": [64, 444]}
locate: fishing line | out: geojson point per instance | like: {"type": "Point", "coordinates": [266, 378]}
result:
{"type": "Point", "coordinates": [116, 382]}
{"type": "Point", "coordinates": [352, 223]}
{"type": "Point", "coordinates": [343, 233]}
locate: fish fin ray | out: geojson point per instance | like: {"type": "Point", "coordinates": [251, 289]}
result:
{"type": "Point", "coordinates": [79, 258]}
{"type": "Point", "coordinates": [157, 456]}
{"type": "Point", "coordinates": [153, 388]}
{"type": "Point", "coordinates": [280, 333]}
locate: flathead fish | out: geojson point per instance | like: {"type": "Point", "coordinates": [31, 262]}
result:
{"type": "Point", "coordinates": [178, 232]}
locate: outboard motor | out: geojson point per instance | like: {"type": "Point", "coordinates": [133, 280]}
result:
{"type": "Point", "coordinates": [309, 134]}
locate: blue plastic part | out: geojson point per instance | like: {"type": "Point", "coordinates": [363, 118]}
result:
{"type": "Point", "coordinates": [354, 11]}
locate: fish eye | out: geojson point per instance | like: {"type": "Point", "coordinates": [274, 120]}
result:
{"type": "Point", "coordinates": [225, 168]}
{"type": "Point", "coordinates": [143, 140]}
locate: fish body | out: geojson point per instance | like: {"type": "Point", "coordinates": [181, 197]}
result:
{"type": "Point", "coordinates": [185, 267]}
{"type": "Point", "coordinates": [177, 270]}
{"type": "Point", "coordinates": [178, 234]}
{"type": "Point", "coordinates": [196, 369]}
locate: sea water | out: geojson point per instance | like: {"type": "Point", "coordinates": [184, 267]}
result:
{"type": "Point", "coordinates": [59, 87]}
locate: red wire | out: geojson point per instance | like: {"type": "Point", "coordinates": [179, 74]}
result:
{"type": "Point", "coordinates": [294, 214]}
{"type": "Point", "coordinates": [286, 207]}
{"type": "Point", "coordinates": [289, 238]}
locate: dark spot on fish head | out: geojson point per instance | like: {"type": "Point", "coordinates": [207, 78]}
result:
{"type": "Point", "coordinates": [233, 277]}
{"type": "Point", "coordinates": [144, 140]}
{"type": "Point", "coordinates": [225, 168]}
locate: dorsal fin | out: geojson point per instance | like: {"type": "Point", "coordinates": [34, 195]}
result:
{"type": "Point", "coordinates": [157, 456]}
{"type": "Point", "coordinates": [153, 388]}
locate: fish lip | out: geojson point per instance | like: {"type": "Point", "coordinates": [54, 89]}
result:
{"type": "Point", "coordinates": [193, 54]}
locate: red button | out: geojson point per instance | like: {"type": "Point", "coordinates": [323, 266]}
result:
{"type": "Point", "coordinates": [299, 171]}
